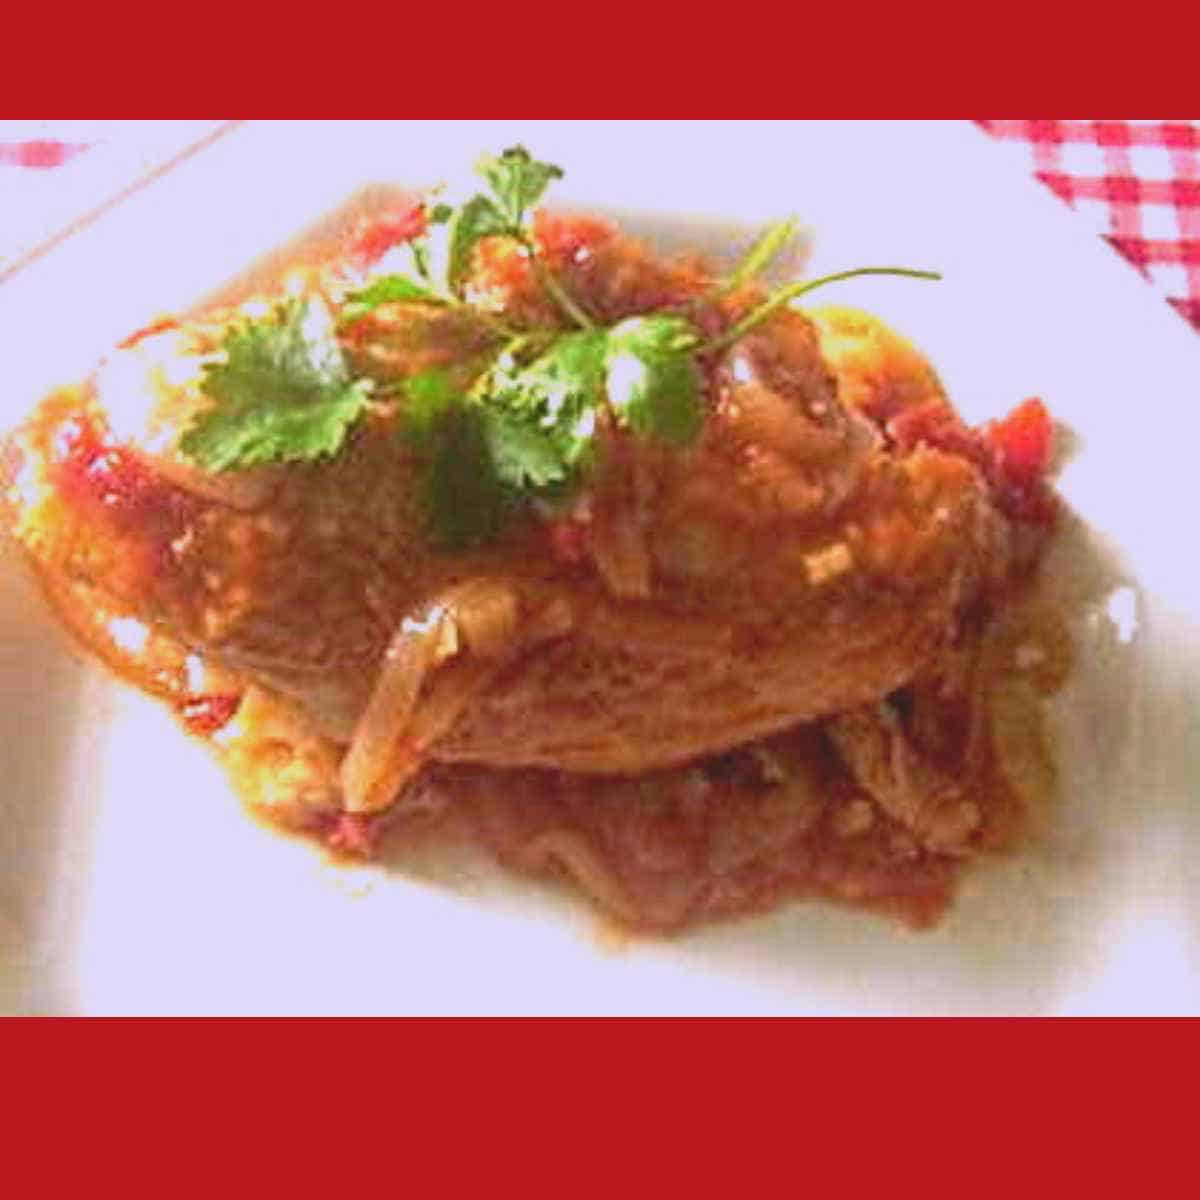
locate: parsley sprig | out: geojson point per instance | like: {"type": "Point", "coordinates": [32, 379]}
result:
{"type": "Point", "coordinates": [532, 426]}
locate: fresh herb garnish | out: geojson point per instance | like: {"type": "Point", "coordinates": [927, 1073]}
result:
{"type": "Point", "coordinates": [476, 219]}
{"type": "Point", "coordinates": [654, 381]}
{"type": "Point", "coordinates": [761, 254]}
{"type": "Point", "coordinates": [536, 422]}
{"type": "Point", "coordinates": [387, 289]}
{"type": "Point", "coordinates": [792, 291]}
{"type": "Point", "coordinates": [463, 500]}
{"type": "Point", "coordinates": [528, 428]}
{"type": "Point", "coordinates": [429, 396]}
{"type": "Point", "coordinates": [544, 413]}
{"type": "Point", "coordinates": [518, 181]}
{"type": "Point", "coordinates": [282, 394]}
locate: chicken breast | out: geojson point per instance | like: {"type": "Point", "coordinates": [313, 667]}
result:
{"type": "Point", "coordinates": [796, 562]}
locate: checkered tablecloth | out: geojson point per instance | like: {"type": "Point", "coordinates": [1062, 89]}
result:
{"type": "Point", "coordinates": [1137, 183]}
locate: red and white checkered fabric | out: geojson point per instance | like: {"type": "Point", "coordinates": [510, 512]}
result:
{"type": "Point", "coordinates": [1138, 182]}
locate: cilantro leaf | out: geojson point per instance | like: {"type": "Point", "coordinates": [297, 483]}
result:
{"type": "Point", "coordinates": [525, 431]}
{"type": "Point", "coordinates": [518, 181]}
{"type": "Point", "coordinates": [653, 378]}
{"type": "Point", "coordinates": [558, 393]}
{"type": "Point", "coordinates": [463, 499]}
{"type": "Point", "coordinates": [282, 394]}
{"type": "Point", "coordinates": [476, 219]}
{"type": "Point", "coordinates": [523, 454]}
{"type": "Point", "coordinates": [429, 396]}
{"type": "Point", "coordinates": [386, 289]}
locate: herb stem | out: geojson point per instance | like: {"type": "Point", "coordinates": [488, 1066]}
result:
{"type": "Point", "coordinates": [793, 290]}
{"type": "Point", "coordinates": [760, 255]}
{"type": "Point", "coordinates": [420, 259]}
{"type": "Point", "coordinates": [496, 326]}
{"type": "Point", "coordinates": [551, 285]}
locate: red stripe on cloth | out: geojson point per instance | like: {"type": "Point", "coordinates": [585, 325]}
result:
{"type": "Point", "coordinates": [1134, 205]}
{"type": "Point", "coordinates": [1158, 251]}
{"type": "Point", "coordinates": [1189, 215]}
{"type": "Point", "coordinates": [39, 153]}
{"type": "Point", "coordinates": [1124, 189]}
{"type": "Point", "coordinates": [1174, 135]}
{"type": "Point", "coordinates": [1188, 309]}
{"type": "Point", "coordinates": [1144, 253]}
{"type": "Point", "coordinates": [1063, 186]}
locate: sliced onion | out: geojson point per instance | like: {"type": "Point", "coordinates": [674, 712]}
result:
{"type": "Point", "coordinates": [486, 613]}
{"type": "Point", "coordinates": [408, 713]}
{"type": "Point", "coordinates": [374, 766]}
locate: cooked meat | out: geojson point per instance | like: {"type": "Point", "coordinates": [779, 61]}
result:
{"type": "Point", "coordinates": [797, 567]}
{"type": "Point", "coordinates": [833, 532]}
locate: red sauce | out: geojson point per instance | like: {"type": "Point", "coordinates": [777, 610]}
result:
{"type": "Point", "coordinates": [1013, 453]}
{"type": "Point", "coordinates": [561, 237]}
{"type": "Point", "coordinates": [569, 540]}
{"type": "Point", "coordinates": [159, 326]}
{"type": "Point", "coordinates": [109, 485]}
{"type": "Point", "coordinates": [205, 715]}
{"type": "Point", "coordinates": [377, 235]}
{"type": "Point", "coordinates": [1021, 445]}
{"type": "Point", "coordinates": [354, 834]}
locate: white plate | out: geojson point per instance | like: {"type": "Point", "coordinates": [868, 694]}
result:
{"type": "Point", "coordinates": [130, 882]}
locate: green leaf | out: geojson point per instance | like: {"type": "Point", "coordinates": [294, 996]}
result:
{"type": "Point", "coordinates": [478, 218]}
{"type": "Point", "coordinates": [282, 394]}
{"type": "Point", "coordinates": [429, 397]}
{"type": "Point", "coordinates": [761, 254]}
{"type": "Point", "coordinates": [559, 392]}
{"type": "Point", "coordinates": [387, 289]}
{"type": "Point", "coordinates": [518, 181]}
{"type": "Point", "coordinates": [440, 214]}
{"type": "Point", "coordinates": [462, 499]}
{"type": "Point", "coordinates": [573, 364]}
{"type": "Point", "coordinates": [653, 380]}
{"type": "Point", "coordinates": [464, 502]}
{"type": "Point", "coordinates": [523, 454]}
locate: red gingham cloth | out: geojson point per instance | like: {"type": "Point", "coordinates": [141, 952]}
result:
{"type": "Point", "coordinates": [1137, 182]}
